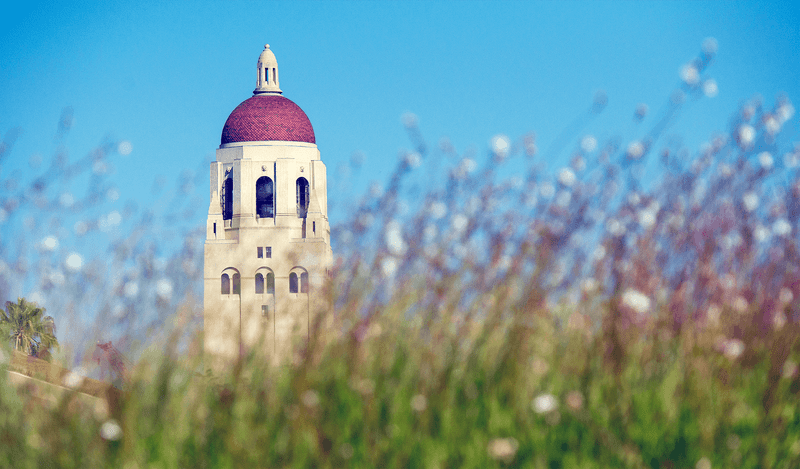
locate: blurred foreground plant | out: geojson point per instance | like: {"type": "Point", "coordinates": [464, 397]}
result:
{"type": "Point", "coordinates": [591, 320]}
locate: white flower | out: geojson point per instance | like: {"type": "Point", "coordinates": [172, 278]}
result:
{"type": "Point", "coordinates": [689, 74]}
{"type": "Point", "coordinates": [636, 300]}
{"type": "Point", "coordinates": [74, 262]}
{"type": "Point", "coordinates": [74, 378]}
{"type": "Point", "coordinates": [750, 201]}
{"type": "Point", "coordinates": [437, 210]}
{"type": "Point", "coordinates": [635, 150]}
{"type": "Point", "coordinates": [588, 143]}
{"type": "Point", "coordinates": [394, 239]}
{"type": "Point", "coordinates": [544, 403]}
{"type": "Point", "coordinates": [782, 227]}
{"type": "Point", "coordinates": [164, 288]}
{"type": "Point", "coordinates": [503, 449]}
{"type": "Point", "coordinates": [124, 148]}
{"type": "Point", "coordinates": [566, 177]}
{"type": "Point", "coordinates": [389, 267]}
{"type": "Point", "coordinates": [765, 160]}
{"type": "Point", "coordinates": [50, 243]}
{"type": "Point", "coordinates": [110, 430]}
{"type": "Point", "coordinates": [746, 134]}
{"type": "Point", "coordinates": [733, 348]}
{"type": "Point", "coordinates": [710, 88]}
{"type": "Point", "coordinates": [310, 398]}
{"type": "Point", "coordinates": [500, 145]}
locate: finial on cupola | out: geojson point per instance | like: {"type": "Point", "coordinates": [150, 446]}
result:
{"type": "Point", "coordinates": [267, 82]}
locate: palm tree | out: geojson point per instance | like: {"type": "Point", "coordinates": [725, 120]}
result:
{"type": "Point", "coordinates": [27, 327]}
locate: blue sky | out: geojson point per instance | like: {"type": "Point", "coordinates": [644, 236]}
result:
{"type": "Point", "coordinates": [165, 75]}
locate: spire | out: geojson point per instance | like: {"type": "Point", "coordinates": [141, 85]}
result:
{"type": "Point", "coordinates": [267, 81]}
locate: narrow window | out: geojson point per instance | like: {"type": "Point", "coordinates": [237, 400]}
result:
{"type": "Point", "coordinates": [215, 230]}
{"type": "Point", "coordinates": [265, 311]}
{"type": "Point", "coordinates": [237, 284]}
{"type": "Point", "coordinates": [270, 283]}
{"type": "Point", "coordinates": [227, 199]}
{"type": "Point", "coordinates": [259, 284]}
{"type": "Point", "coordinates": [293, 283]}
{"type": "Point", "coordinates": [274, 75]}
{"type": "Point", "coordinates": [265, 206]}
{"type": "Point", "coordinates": [226, 285]}
{"type": "Point", "coordinates": [260, 253]}
{"type": "Point", "coordinates": [266, 75]}
{"type": "Point", "coordinates": [302, 197]}
{"type": "Point", "coordinates": [304, 282]}
{"type": "Point", "coordinates": [314, 227]}
{"type": "Point", "coordinates": [268, 252]}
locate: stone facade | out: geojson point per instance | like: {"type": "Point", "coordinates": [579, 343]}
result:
{"type": "Point", "coordinates": [267, 249]}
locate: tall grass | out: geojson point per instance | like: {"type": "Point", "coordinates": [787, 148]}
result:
{"type": "Point", "coordinates": [594, 319]}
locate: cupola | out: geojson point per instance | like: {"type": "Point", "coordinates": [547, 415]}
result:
{"type": "Point", "coordinates": [267, 82]}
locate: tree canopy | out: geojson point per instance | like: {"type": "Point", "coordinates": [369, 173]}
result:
{"type": "Point", "coordinates": [28, 328]}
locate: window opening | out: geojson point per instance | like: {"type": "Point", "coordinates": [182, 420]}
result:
{"type": "Point", "coordinates": [265, 198]}
{"type": "Point", "coordinates": [259, 284]}
{"type": "Point", "coordinates": [227, 199]}
{"type": "Point", "coordinates": [274, 75]}
{"type": "Point", "coordinates": [293, 283]}
{"type": "Point", "coordinates": [304, 282]}
{"type": "Point", "coordinates": [260, 253]}
{"type": "Point", "coordinates": [265, 311]}
{"type": "Point", "coordinates": [226, 285]}
{"type": "Point", "coordinates": [266, 75]}
{"type": "Point", "coordinates": [215, 230]}
{"type": "Point", "coordinates": [270, 283]}
{"type": "Point", "coordinates": [237, 287]}
{"type": "Point", "coordinates": [268, 252]}
{"type": "Point", "coordinates": [302, 197]}
{"type": "Point", "coordinates": [314, 227]}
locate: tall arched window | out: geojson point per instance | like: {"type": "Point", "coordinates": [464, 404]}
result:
{"type": "Point", "coordinates": [302, 197]}
{"type": "Point", "coordinates": [226, 285]}
{"type": "Point", "coordinates": [293, 283]}
{"type": "Point", "coordinates": [237, 284]}
{"type": "Point", "coordinates": [270, 283]}
{"type": "Point", "coordinates": [265, 198]}
{"type": "Point", "coordinates": [304, 282]}
{"type": "Point", "coordinates": [259, 284]}
{"type": "Point", "coordinates": [227, 199]}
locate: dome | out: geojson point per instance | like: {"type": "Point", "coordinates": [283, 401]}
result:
{"type": "Point", "coordinates": [267, 117]}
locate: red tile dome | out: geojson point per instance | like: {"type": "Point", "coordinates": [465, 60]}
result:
{"type": "Point", "coordinates": [267, 117]}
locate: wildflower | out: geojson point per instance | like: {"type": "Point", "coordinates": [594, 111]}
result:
{"type": "Point", "coordinates": [703, 463]}
{"type": "Point", "coordinates": [641, 111]}
{"type": "Point", "coordinates": [689, 74]}
{"type": "Point", "coordinates": [413, 160]}
{"type": "Point", "coordinates": [746, 135]}
{"type": "Point", "coordinates": [50, 243]}
{"type": "Point", "coordinates": [635, 150]}
{"type": "Point", "coordinates": [419, 403]}
{"type": "Point", "coordinates": [544, 403]}
{"type": "Point", "coordinates": [791, 160]}
{"type": "Point", "coordinates": [503, 449]}
{"type": "Point", "coordinates": [709, 46]}
{"type": "Point", "coordinates": [575, 400]}
{"type": "Point", "coordinates": [74, 262]}
{"type": "Point", "coordinates": [131, 289]}
{"type": "Point", "coordinates": [389, 267]}
{"type": "Point", "coordinates": [437, 210]}
{"type": "Point", "coordinates": [547, 190]}
{"type": "Point", "coordinates": [74, 378]}
{"type": "Point", "coordinates": [713, 313]}
{"type": "Point", "coordinates": [710, 88]}
{"type": "Point", "coordinates": [80, 227]}
{"type": "Point", "coordinates": [790, 369]}
{"type": "Point", "coordinates": [110, 430]}
{"type": "Point", "coordinates": [310, 398]}
{"type": "Point", "coordinates": [394, 239]}
{"type": "Point", "coordinates": [409, 120]}
{"type": "Point", "coordinates": [164, 288]}
{"type": "Point", "coordinates": [459, 223]}
{"type": "Point", "coordinates": [765, 160]}
{"type": "Point", "coordinates": [124, 148]}
{"type": "Point", "coordinates": [779, 320]}
{"type": "Point", "coordinates": [346, 450]}
{"type": "Point", "coordinates": [733, 349]}
{"type": "Point", "coordinates": [588, 144]}
{"type": "Point", "coordinates": [636, 300]}
{"type": "Point", "coordinates": [782, 227]}
{"type": "Point", "coordinates": [566, 177]}
{"type": "Point", "coordinates": [500, 146]}
{"type": "Point", "coordinates": [785, 296]}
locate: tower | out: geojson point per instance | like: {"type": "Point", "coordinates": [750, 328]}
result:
{"type": "Point", "coordinates": [267, 246]}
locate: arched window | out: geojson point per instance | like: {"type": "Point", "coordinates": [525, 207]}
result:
{"type": "Point", "coordinates": [226, 285]}
{"type": "Point", "coordinates": [304, 282]}
{"type": "Point", "coordinates": [259, 284]}
{"type": "Point", "coordinates": [227, 199]}
{"type": "Point", "coordinates": [237, 284]}
{"type": "Point", "coordinates": [270, 283]}
{"type": "Point", "coordinates": [265, 199]}
{"type": "Point", "coordinates": [302, 197]}
{"type": "Point", "coordinates": [293, 283]}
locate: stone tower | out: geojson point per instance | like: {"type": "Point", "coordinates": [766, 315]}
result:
{"type": "Point", "coordinates": [267, 247]}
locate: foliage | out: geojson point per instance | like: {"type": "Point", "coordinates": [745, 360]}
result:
{"type": "Point", "coordinates": [27, 327]}
{"type": "Point", "coordinates": [591, 320]}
